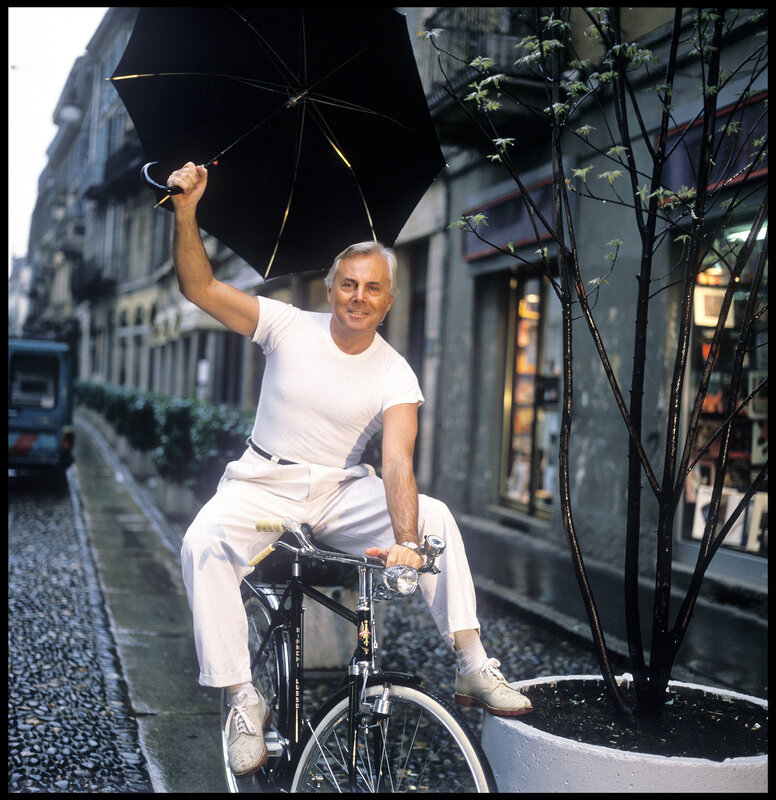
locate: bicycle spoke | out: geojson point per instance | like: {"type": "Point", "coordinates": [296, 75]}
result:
{"type": "Point", "coordinates": [385, 766]}
{"type": "Point", "coordinates": [419, 746]}
{"type": "Point", "coordinates": [326, 761]}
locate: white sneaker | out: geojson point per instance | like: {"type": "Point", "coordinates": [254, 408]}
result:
{"type": "Point", "coordinates": [244, 730]}
{"type": "Point", "coordinates": [489, 689]}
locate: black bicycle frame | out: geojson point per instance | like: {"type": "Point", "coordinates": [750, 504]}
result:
{"type": "Point", "coordinates": [290, 615]}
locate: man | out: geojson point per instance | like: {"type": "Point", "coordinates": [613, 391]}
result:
{"type": "Point", "coordinates": [330, 382]}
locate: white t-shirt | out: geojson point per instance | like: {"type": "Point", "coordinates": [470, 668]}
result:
{"type": "Point", "coordinates": [319, 405]}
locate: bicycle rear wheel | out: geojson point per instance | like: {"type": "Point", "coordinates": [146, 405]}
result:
{"type": "Point", "coordinates": [420, 745]}
{"type": "Point", "coordinates": [269, 673]}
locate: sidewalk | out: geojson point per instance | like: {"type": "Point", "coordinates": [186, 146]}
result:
{"type": "Point", "coordinates": [139, 573]}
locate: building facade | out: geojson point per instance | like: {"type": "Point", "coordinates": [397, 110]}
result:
{"type": "Point", "coordinates": [497, 383]}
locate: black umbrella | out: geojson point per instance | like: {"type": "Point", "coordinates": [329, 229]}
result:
{"type": "Point", "coordinates": [314, 121]}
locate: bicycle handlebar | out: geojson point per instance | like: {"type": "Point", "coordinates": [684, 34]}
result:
{"type": "Point", "coordinates": [431, 548]}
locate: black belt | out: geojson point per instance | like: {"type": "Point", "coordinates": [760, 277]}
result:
{"type": "Point", "coordinates": [274, 459]}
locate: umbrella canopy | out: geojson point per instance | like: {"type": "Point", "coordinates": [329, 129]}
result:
{"type": "Point", "coordinates": [315, 118]}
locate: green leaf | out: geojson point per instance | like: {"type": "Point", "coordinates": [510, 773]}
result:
{"type": "Point", "coordinates": [502, 144]}
{"type": "Point", "coordinates": [482, 62]}
{"type": "Point", "coordinates": [611, 175]}
{"type": "Point", "coordinates": [585, 130]}
{"type": "Point", "coordinates": [582, 173]}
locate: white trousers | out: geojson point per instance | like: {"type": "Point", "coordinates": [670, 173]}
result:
{"type": "Point", "coordinates": [346, 509]}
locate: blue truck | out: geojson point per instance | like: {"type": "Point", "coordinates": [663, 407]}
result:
{"type": "Point", "coordinates": [40, 405]}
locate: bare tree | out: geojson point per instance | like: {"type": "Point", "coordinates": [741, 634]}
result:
{"type": "Point", "coordinates": [719, 148]}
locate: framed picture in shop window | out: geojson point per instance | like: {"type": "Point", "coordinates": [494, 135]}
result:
{"type": "Point", "coordinates": [757, 524]}
{"type": "Point", "coordinates": [706, 305]}
{"type": "Point", "coordinates": [736, 536]}
{"type": "Point", "coordinates": [758, 405]}
{"type": "Point", "coordinates": [759, 442]}
{"type": "Point", "coordinates": [750, 530]}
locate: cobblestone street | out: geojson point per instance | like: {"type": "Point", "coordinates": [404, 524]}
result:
{"type": "Point", "coordinates": [70, 728]}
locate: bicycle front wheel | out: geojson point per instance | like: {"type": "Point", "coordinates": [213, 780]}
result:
{"type": "Point", "coordinates": [418, 744]}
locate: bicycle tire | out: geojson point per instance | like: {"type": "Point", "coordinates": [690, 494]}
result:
{"type": "Point", "coordinates": [422, 745]}
{"type": "Point", "coordinates": [269, 675]}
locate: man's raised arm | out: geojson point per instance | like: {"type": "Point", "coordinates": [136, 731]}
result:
{"type": "Point", "coordinates": [232, 307]}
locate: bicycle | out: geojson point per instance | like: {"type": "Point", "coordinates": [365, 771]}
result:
{"type": "Point", "coordinates": [380, 731]}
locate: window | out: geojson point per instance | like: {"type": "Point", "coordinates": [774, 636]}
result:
{"type": "Point", "coordinates": [416, 276]}
{"type": "Point", "coordinates": [33, 382]}
{"type": "Point", "coordinates": [748, 451]}
{"type": "Point", "coordinates": [509, 221]}
{"type": "Point", "coordinates": [532, 398]}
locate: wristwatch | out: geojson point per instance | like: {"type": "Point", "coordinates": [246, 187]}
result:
{"type": "Point", "coordinates": [411, 545]}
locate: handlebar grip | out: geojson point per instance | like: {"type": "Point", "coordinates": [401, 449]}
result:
{"type": "Point", "coordinates": [158, 186]}
{"type": "Point", "coordinates": [262, 555]}
{"type": "Point", "coordinates": [271, 524]}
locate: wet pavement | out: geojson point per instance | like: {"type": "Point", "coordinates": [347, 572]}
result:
{"type": "Point", "coordinates": [726, 644]}
{"type": "Point", "coordinates": [145, 600]}
{"type": "Point", "coordinates": [136, 554]}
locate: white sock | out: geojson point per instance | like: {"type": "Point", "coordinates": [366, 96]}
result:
{"type": "Point", "coordinates": [248, 689]}
{"type": "Point", "coordinates": [469, 651]}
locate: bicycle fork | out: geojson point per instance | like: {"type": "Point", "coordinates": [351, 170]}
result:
{"type": "Point", "coordinates": [363, 714]}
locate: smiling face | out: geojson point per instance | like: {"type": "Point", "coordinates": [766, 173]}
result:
{"type": "Point", "coordinates": [359, 298]}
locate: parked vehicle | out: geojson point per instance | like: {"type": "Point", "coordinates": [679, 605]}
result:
{"type": "Point", "coordinates": [40, 405]}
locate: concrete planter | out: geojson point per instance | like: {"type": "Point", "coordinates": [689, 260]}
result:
{"type": "Point", "coordinates": [525, 759]}
{"type": "Point", "coordinates": [141, 465]}
{"type": "Point", "coordinates": [175, 499]}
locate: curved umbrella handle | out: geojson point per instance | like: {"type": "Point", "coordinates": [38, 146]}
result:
{"type": "Point", "coordinates": [158, 186]}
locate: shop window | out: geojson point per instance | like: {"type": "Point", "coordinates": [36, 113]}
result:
{"type": "Point", "coordinates": [748, 450]}
{"type": "Point", "coordinates": [532, 398]}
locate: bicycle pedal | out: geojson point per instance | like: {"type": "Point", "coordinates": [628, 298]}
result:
{"type": "Point", "coordinates": [274, 742]}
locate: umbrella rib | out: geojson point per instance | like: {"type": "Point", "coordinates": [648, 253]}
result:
{"type": "Point", "coordinates": [322, 124]}
{"type": "Point", "coordinates": [270, 87]}
{"type": "Point", "coordinates": [329, 136]}
{"type": "Point", "coordinates": [280, 65]}
{"type": "Point", "coordinates": [328, 133]}
{"type": "Point", "coordinates": [344, 104]}
{"type": "Point", "coordinates": [299, 138]}
{"type": "Point", "coordinates": [308, 91]}
{"type": "Point", "coordinates": [277, 88]}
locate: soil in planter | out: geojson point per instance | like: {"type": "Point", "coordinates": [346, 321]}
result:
{"type": "Point", "coordinates": [695, 724]}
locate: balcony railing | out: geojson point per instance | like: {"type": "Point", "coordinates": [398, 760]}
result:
{"type": "Point", "coordinates": [468, 33]}
{"type": "Point", "coordinates": [88, 281]}
{"type": "Point", "coordinates": [120, 174]}
{"type": "Point", "coordinates": [128, 158]}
